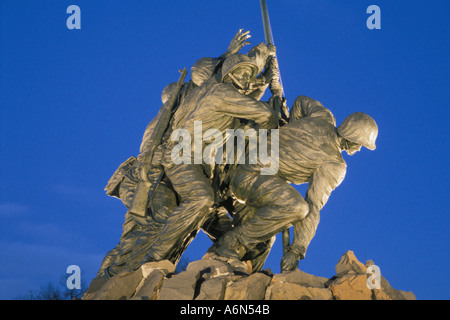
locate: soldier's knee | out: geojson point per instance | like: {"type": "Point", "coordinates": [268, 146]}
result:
{"type": "Point", "coordinates": [301, 209]}
{"type": "Point", "coordinates": [297, 207]}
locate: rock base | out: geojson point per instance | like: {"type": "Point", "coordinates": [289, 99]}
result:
{"type": "Point", "coordinates": [217, 278]}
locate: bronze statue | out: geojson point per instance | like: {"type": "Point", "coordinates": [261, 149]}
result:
{"type": "Point", "coordinates": [241, 210]}
{"type": "Point", "coordinates": [221, 103]}
{"type": "Point", "coordinates": [141, 230]}
{"type": "Point", "coordinates": [310, 149]}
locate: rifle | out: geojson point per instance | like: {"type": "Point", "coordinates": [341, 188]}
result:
{"type": "Point", "coordinates": [145, 188]}
{"type": "Point", "coordinates": [269, 40]}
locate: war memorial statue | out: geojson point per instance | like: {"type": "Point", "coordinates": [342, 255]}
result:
{"type": "Point", "coordinates": [187, 176]}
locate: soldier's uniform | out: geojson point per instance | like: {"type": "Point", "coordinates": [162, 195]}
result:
{"type": "Point", "coordinates": [309, 152]}
{"type": "Point", "coordinates": [218, 106]}
{"type": "Point", "coordinates": [139, 233]}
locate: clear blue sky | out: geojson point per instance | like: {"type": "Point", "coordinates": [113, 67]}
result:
{"type": "Point", "coordinates": [74, 104]}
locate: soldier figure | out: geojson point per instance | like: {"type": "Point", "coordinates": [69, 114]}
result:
{"type": "Point", "coordinates": [221, 103]}
{"type": "Point", "coordinates": [310, 149]}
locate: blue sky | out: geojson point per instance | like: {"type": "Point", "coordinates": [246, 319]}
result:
{"type": "Point", "coordinates": [74, 104]}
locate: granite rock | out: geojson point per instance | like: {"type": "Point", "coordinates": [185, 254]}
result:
{"type": "Point", "coordinates": [218, 278]}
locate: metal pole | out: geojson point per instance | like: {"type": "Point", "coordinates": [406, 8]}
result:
{"type": "Point", "coordinates": [268, 35]}
{"type": "Point", "coordinates": [266, 23]}
{"type": "Point", "coordinates": [269, 40]}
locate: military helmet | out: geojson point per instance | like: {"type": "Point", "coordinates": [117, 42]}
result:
{"type": "Point", "coordinates": [237, 60]}
{"type": "Point", "coordinates": [359, 128]}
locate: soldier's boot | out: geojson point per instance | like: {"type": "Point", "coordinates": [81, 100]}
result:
{"type": "Point", "coordinates": [228, 246]}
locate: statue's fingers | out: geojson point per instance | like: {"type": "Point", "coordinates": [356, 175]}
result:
{"type": "Point", "coordinates": [245, 33]}
{"type": "Point", "coordinates": [244, 37]}
{"type": "Point", "coordinates": [238, 33]}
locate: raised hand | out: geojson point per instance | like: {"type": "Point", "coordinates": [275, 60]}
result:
{"type": "Point", "coordinates": [238, 42]}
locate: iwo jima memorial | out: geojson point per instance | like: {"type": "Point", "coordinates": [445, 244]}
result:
{"type": "Point", "coordinates": [217, 158]}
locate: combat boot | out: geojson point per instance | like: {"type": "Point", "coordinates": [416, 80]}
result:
{"type": "Point", "coordinates": [228, 246]}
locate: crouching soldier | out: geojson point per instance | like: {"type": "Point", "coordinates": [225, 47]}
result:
{"type": "Point", "coordinates": [310, 148]}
